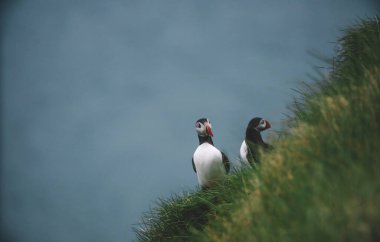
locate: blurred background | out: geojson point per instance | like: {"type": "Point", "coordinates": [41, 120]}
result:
{"type": "Point", "coordinates": [99, 99]}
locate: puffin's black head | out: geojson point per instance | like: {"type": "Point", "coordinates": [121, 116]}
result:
{"type": "Point", "coordinates": [258, 124]}
{"type": "Point", "coordinates": [203, 127]}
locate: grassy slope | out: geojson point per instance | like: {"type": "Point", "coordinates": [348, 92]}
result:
{"type": "Point", "coordinates": [322, 182]}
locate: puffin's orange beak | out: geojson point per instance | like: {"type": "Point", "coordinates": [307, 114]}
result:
{"type": "Point", "coordinates": [209, 131]}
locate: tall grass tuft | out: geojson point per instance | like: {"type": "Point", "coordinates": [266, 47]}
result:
{"type": "Point", "coordinates": [322, 180]}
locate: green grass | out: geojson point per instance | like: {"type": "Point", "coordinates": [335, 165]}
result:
{"type": "Point", "coordinates": [181, 216]}
{"type": "Point", "coordinates": [322, 180]}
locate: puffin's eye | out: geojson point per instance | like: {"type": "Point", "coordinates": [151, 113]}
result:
{"type": "Point", "coordinates": [198, 125]}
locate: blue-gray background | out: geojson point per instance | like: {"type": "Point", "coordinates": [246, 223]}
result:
{"type": "Point", "coordinates": [99, 99]}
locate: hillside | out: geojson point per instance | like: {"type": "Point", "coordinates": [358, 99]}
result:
{"type": "Point", "coordinates": [322, 180]}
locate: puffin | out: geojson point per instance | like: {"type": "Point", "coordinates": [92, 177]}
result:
{"type": "Point", "coordinates": [210, 164]}
{"type": "Point", "coordinates": [253, 141]}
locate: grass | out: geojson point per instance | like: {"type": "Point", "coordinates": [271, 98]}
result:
{"type": "Point", "coordinates": [322, 181]}
{"type": "Point", "coordinates": [181, 216]}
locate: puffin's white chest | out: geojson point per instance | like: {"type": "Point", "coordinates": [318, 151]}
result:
{"type": "Point", "coordinates": [209, 164]}
{"type": "Point", "coordinates": [244, 152]}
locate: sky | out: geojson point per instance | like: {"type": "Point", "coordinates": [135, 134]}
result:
{"type": "Point", "coordinates": [100, 98]}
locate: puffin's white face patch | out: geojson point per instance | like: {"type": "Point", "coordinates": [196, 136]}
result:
{"type": "Point", "coordinates": [201, 129]}
{"type": "Point", "coordinates": [262, 124]}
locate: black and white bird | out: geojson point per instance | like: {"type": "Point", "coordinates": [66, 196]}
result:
{"type": "Point", "coordinates": [210, 164]}
{"type": "Point", "coordinates": [253, 140]}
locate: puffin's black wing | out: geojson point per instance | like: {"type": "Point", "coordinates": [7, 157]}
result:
{"type": "Point", "coordinates": [251, 153]}
{"type": "Point", "coordinates": [192, 161]}
{"type": "Point", "coordinates": [226, 162]}
{"type": "Point", "coordinates": [253, 150]}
